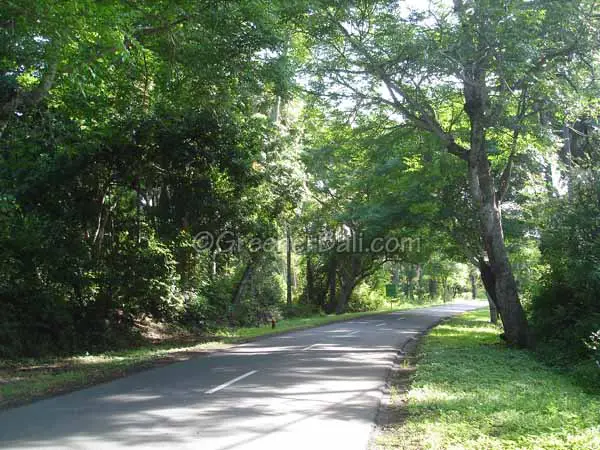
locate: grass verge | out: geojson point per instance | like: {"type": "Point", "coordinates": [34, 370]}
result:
{"type": "Point", "coordinates": [471, 392]}
{"type": "Point", "coordinates": [25, 380]}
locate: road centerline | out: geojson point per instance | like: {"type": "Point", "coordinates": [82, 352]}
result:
{"type": "Point", "coordinates": [352, 333]}
{"type": "Point", "coordinates": [230, 382]}
{"type": "Point", "coordinates": [309, 347]}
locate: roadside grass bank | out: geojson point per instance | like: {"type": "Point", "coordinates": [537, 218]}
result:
{"type": "Point", "coordinates": [471, 392]}
{"type": "Point", "coordinates": [25, 380]}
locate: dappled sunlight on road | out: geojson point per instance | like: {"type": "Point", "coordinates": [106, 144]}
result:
{"type": "Point", "coordinates": [323, 382]}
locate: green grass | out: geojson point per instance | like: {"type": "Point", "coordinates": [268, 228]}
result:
{"type": "Point", "coordinates": [471, 392]}
{"type": "Point", "coordinates": [28, 379]}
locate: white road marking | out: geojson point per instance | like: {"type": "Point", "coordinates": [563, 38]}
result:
{"type": "Point", "coordinates": [380, 325]}
{"type": "Point", "coordinates": [350, 334]}
{"type": "Point", "coordinates": [309, 347]}
{"type": "Point", "coordinates": [229, 383]}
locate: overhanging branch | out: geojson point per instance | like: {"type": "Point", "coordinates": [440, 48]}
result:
{"type": "Point", "coordinates": [412, 109]}
{"type": "Point", "coordinates": [145, 31]}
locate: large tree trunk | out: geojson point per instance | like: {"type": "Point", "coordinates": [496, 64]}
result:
{"type": "Point", "coordinates": [433, 288]}
{"type": "Point", "coordinates": [489, 284]}
{"type": "Point", "coordinates": [245, 280]}
{"type": "Point", "coordinates": [505, 287]}
{"type": "Point", "coordinates": [473, 279]}
{"type": "Point", "coordinates": [419, 277]}
{"type": "Point", "coordinates": [493, 310]}
{"type": "Point", "coordinates": [349, 277]}
{"type": "Point", "coordinates": [331, 283]}
{"type": "Point", "coordinates": [408, 290]}
{"type": "Point", "coordinates": [344, 297]}
{"type": "Point", "coordinates": [445, 289]}
{"type": "Point", "coordinates": [484, 195]}
{"type": "Point", "coordinates": [310, 279]}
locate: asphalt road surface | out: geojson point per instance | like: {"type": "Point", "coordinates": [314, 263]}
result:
{"type": "Point", "coordinates": [312, 389]}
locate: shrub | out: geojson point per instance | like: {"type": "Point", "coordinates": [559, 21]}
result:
{"type": "Point", "coordinates": [198, 311]}
{"type": "Point", "coordinates": [34, 321]}
{"type": "Point", "coordinates": [365, 298]}
{"type": "Point", "coordinates": [141, 278]}
{"type": "Point", "coordinates": [566, 311]}
{"type": "Point", "coordinates": [300, 310]}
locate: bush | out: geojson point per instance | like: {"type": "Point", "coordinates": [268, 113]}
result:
{"type": "Point", "coordinates": [365, 298]}
{"type": "Point", "coordinates": [54, 301]}
{"type": "Point", "coordinates": [34, 321]}
{"type": "Point", "coordinates": [199, 312]}
{"type": "Point", "coordinates": [141, 278]}
{"type": "Point", "coordinates": [216, 296]}
{"type": "Point", "coordinates": [566, 311]}
{"type": "Point", "coordinates": [562, 318]}
{"type": "Point", "coordinates": [264, 295]}
{"type": "Point", "coordinates": [300, 310]}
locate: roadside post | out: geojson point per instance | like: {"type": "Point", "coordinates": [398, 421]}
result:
{"type": "Point", "coordinates": [391, 291]}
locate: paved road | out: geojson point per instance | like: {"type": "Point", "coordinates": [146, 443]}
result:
{"type": "Point", "coordinates": [312, 389]}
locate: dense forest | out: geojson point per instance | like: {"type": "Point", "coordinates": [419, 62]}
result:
{"type": "Point", "coordinates": [219, 164]}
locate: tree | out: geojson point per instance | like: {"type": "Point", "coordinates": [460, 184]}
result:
{"type": "Point", "coordinates": [468, 75]}
{"type": "Point", "coordinates": [126, 129]}
{"type": "Point", "coordinates": [372, 182]}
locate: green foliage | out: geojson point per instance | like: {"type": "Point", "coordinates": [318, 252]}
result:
{"type": "Point", "coordinates": [263, 298]}
{"type": "Point", "coordinates": [366, 298]}
{"type": "Point", "coordinates": [141, 278]}
{"type": "Point", "coordinates": [301, 309]}
{"type": "Point", "coordinates": [566, 310]}
{"type": "Point", "coordinates": [124, 131]}
{"type": "Point", "coordinates": [216, 294]}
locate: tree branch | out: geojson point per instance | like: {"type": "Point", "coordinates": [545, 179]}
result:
{"type": "Point", "coordinates": [32, 98]}
{"type": "Point", "coordinates": [544, 59]}
{"type": "Point", "coordinates": [506, 173]}
{"type": "Point", "coordinates": [415, 111]}
{"type": "Point", "coordinates": [159, 29]}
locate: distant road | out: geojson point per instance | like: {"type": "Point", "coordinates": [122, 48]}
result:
{"type": "Point", "coordinates": [312, 389]}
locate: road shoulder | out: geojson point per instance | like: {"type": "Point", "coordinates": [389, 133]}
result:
{"type": "Point", "coordinates": [393, 412]}
{"type": "Point", "coordinates": [470, 390]}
